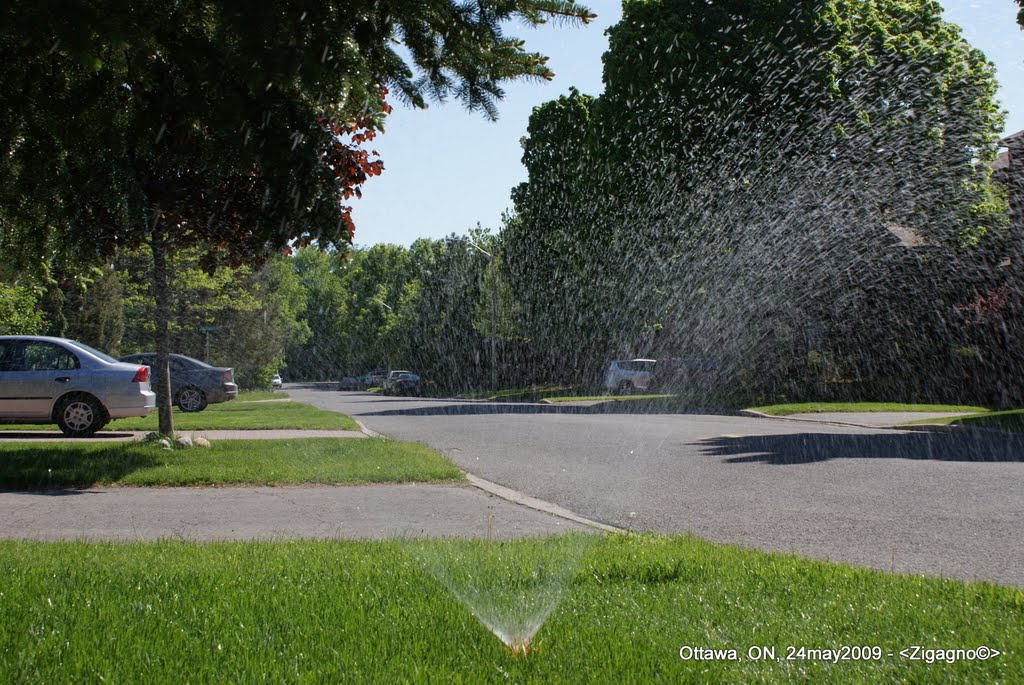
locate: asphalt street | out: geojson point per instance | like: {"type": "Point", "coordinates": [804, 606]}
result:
{"type": "Point", "coordinates": [942, 504]}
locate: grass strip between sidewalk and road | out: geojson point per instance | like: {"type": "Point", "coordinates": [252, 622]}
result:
{"type": "Point", "coordinates": [610, 398]}
{"type": "Point", "coordinates": [226, 462]}
{"type": "Point", "coordinates": [531, 394]}
{"type": "Point", "coordinates": [245, 415]}
{"type": "Point", "coordinates": [854, 407]}
{"type": "Point", "coordinates": [336, 611]}
{"type": "Point", "coordinates": [260, 395]}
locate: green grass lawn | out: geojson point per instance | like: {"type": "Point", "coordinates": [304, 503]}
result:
{"type": "Point", "coordinates": [1008, 420]}
{"type": "Point", "coordinates": [831, 407]}
{"type": "Point", "coordinates": [260, 395]}
{"type": "Point", "coordinates": [333, 612]}
{"type": "Point", "coordinates": [245, 415]}
{"type": "Point", "coordinates": [226, 462]}
{"type": "Point", "coordinates": [233, 415]}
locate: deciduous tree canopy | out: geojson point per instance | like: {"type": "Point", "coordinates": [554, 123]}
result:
{"type": "Point", "coordinates": [740, 187]}
{"type": "Point", "coordinates": [236, 125]}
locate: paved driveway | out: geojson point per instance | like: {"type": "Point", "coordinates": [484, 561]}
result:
{"type": "Point", "coordinates": [936, 503]}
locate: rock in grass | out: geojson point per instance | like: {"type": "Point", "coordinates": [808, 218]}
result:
{"type": "Point", "coordinates": [201, 442]}
{"type": "Point", "coordinates": [184, 441]}
{"type": "Point", "coordinates": [163, 443]}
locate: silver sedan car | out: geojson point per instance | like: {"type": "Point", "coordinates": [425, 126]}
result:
{"type": "Point", "coordinates": [55, 380]}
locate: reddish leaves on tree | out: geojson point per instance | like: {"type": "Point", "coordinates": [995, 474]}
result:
{"type": "Point", "coordinates": [226, 214]}
{"type": "Point", "coordinates": [350, 164]}
{"type": "Point", "coordinates": [986, 310]}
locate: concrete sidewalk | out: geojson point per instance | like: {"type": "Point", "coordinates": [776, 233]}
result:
{"type": "Point", "coordinates": [269, 513]}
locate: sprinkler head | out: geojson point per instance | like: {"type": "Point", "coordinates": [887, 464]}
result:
{"type": "Point", "coordinates": [521, 647]}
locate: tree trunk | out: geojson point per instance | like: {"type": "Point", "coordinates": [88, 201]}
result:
{"type": "Point", "coordinates": [161, 290]}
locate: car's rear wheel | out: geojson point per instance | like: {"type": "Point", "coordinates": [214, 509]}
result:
{"type": "Point", "coordinates": [80, 416]}
{"type": "Point", "coordinates": [191, 399]}
{"type": "Point", "coordinates": [624, 388]}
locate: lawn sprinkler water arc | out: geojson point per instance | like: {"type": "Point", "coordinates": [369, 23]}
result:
{"type": "Point", "coordinates": [510, 587]}
{"type": "Point", "coordinates": [515, 619]}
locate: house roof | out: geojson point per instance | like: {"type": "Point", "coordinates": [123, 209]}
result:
{"type": "Point", "coordinates": [1013, 140]}
{"type": "Point", "coordinates": [904, 234]}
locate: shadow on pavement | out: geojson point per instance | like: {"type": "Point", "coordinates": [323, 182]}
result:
{"type": "Point", "coordinates": [473, 408]}
{"type": "Point", "coordinates": [55, 492]}
{"type": "Point", "coordinates": [808, 448]}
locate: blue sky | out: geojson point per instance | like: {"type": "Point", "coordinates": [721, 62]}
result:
{"type": "Point", "coordinates": [446, 170]}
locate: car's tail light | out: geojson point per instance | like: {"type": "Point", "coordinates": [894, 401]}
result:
{"type": "Point", "coordinates": [142, 375]}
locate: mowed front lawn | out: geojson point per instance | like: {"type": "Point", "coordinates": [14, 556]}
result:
{"type": "Point", "coordinates": [227, 462]}
{"type": "Point", "coordinates": [233, 415]}
{"type": "Point", "coordinates": [1011, 420]}
{"type": "Point", "coordinates": [624, 610]}
{"type": "Point", "coordinates": [245, 415]}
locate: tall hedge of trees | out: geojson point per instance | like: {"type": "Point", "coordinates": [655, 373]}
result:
{"type": "Point", "coordinates": [799, 191]}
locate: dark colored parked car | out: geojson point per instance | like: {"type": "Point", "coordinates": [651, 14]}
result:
{"type": "Point", "coordinates": [402, 383]}
{"type": "Point", "coordinates": [194, 384]}
{"type": "Point", "coordinates": [376, 378]}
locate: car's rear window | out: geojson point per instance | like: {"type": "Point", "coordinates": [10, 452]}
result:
{"type": "Point", "coordinates": [94, 352]}
{"type": "Point", "coordinates": [194, 361]}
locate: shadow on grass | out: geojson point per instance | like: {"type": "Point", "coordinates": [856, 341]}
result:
{"type": "Point", "coordinates": [807, 448]}
{"type": "Point", "coordinates": [21, 436]}
{"type": "Point", "coordinates": [66, 467]}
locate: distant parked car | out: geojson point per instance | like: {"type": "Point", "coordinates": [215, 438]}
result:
{"type": "Point", "coordinates": [194, 384]}
{"type": "Point", "coordinates": [276, 381]}
{"type": "Point", "coordinates": [628, 375]}
{"type": "Point", "coordinates": [56, 380]}
{"type": "Point", "coordinates": [402, 383]}
{"type": "Point", "coordinates": [376, 378]}
{"type": "Point", "coordinates": [354, 383]}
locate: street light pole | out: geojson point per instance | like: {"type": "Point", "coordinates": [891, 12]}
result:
{"type": "Point", "coordinates": [494, 318]}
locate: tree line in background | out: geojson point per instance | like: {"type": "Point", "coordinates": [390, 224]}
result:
{"type": "Point", "coordinates": [315, 315]}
